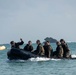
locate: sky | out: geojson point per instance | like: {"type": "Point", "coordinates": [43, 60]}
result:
{"type": "Point", "coordinates": [37, 19]}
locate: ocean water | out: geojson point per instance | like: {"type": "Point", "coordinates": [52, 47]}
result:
{"type": "Point", "coordinates": [38, 66]}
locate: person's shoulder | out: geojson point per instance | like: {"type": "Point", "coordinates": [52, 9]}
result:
{"type": "Point", "coordinates": [31, 46]}
{"type": "Point", "coordinates": [16, 43]}
{"type": "Point", "coordinates": [50, 46]}
{"type": "Point", "coordinates": [60, 45]}
{"type": "Point", "coordinates": [40, 45]}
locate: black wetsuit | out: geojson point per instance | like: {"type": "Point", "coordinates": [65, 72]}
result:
{"type": "Point", "coordinates": [17, 45]}
{"type": "Point", "coordinates": [28, 48]}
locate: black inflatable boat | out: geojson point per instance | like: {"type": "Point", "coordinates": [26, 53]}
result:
{"type": "Point", "coordinates": [16, 54]}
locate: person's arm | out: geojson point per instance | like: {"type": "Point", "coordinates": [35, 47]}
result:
{"type": "Point", "coordinates": [31, 48]}
{"type": "Point", "coordinates": [49, 54]}
{"type": "Point", "coordinates": [61, 51]}
{"type": "Point", "coordinates": [67, 47]}
{"type": "Point", "coordinates": [20, 43]}
{"type": "Point", "coordinates": [49, 51]}
{"type": "Point", "coordinates": [39, 50]}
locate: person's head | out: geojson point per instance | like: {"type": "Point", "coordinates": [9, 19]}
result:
{"type": "Point", "coordinates": [62, 41]}
{"type": "Point", "coordinates": [38, 41]}
{"type": "Point", "coordinates": [47, 43]}
{"type": "Point", "coordinates": [12, 43]}
{"type": "Point", "coordinates": [29, 42]}
{"type": "Point", "coordinates": [58, 43]}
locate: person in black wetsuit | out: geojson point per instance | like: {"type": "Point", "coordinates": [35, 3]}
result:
{"type": "Point", "coordinates": [29, 47]}
{"type": "Point", "coordinates": [65, 49]}
{"type": "Point", "coordinates": [48, 49]}
{"type": "Point", "coordinates": [16, 45]}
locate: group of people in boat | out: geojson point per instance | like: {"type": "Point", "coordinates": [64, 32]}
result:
{"type": "Point", "coordinates": [62, 50]}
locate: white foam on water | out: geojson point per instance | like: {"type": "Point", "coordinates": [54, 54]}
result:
{"type": "Point", "coordinates": [73, 56]}
{"type": "Point", "coordinates": [34, 59]}
{"type": "Point", "coordinates": [43, 59]}
{"type": "Point", "coordinates": [39, 59]}
{"type": "Point", "coordinates": [55, 59]}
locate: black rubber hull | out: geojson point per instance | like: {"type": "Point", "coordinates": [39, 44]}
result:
{"type": "Point", "coordinates": [15, 54]}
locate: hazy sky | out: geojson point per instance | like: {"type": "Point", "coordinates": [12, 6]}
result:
{"type": "Point", "coordinates": [37, 19]}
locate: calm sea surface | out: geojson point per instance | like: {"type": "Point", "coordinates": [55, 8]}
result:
{"type": "Point", "coordinates": [38, 67]}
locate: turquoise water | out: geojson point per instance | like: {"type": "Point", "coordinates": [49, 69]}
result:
{"type": "Point", "coordinates": [49, 67]}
